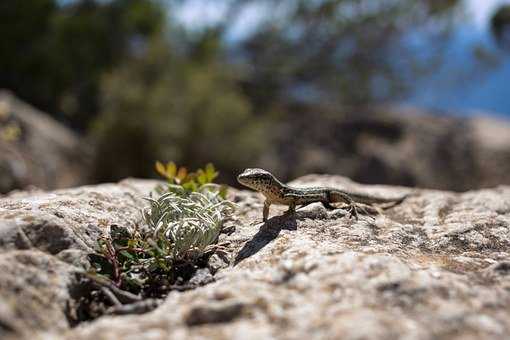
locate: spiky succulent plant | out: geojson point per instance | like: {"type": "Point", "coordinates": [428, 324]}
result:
{"type": "Point", "coordinates": [190, 220]}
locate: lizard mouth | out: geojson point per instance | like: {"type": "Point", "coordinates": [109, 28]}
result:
{"type": "Point", "coordinates": [248, 179]}
{"type": "Point", "coordinates": [244, 180]}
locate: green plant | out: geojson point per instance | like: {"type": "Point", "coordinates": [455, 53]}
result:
{"type": "Point", "coordinates": [190, 220]}
{"type": "Point", "coordinates": [183, 222]}
{"type": "Point", "coordinates": [165, 104]}
{"type": "Point", "coordinates": [179, 178]}
{"type": "Point", "coordinates": [189, 211]}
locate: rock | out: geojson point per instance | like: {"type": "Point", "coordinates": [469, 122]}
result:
{"type": "Point", "coordinates": [44, 238]}
{"type": "Point", "coordinates": [434, 267]}
{"type": "Point", "coordinates": [36, 150]}
{"type": "Point", "coordinates": [394, 145]}
{"type": "Point", "coordinates": [35, 291]}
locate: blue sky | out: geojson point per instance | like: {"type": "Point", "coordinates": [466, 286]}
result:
{"type": "Point", "coordinates": [458, 87]}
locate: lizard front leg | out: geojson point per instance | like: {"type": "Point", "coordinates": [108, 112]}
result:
{"type": "Point", "coordinates": [265, 211]}
{"type": "Point", "coordinates": [292, 208]}
{"type": "Point", "coordinates": [291, 203]}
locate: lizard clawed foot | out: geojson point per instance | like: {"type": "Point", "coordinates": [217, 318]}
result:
{"type": "Point", "coordinates": [355, 209]}
{"type": "Point", "coordinates": [353, 212]}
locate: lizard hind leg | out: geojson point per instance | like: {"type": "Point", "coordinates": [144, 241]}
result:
{"type": "Point", "coordinates": [327, 205]}
{"type": "Point", "coordinates": [369, 209]}
{"type": "Point", "coordinates": [338, 196]}
{"type": "Point", "coordinates": [353, 211]}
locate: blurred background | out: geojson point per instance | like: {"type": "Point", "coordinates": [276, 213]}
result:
{"type": "Point", "coordinates": [383, 91]}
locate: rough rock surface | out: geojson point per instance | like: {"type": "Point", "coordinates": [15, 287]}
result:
{"type": "Point", "coordinates": [43, 240]}
{"type": "Point", "coordinates": [436, 266]}
{"type": "Point", "coordinates": [36, 150]}
{"type": "Point", "coordinates": [391, 145]}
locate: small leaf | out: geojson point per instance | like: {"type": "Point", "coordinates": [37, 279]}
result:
{"type": "Point", "coordinates": [182, 173]}
{"type": "Point", "coordinates": [190, 186]}
{"type": "Point", "coordinates": [223, 192]}
{"type": "Point", "coordinates": [160, 168]}
{"type": "Point", "coordinates": [132, 243]}
{"type": "Point", "coordinates": [177, 189]}
{"type": "Point", "coordinates": [209, 167]}
{"type": "Point", "coordinates": [171, 169]}
{"type": "Point", "coordinates": [101, 264]}
{"type": "Point", "coordinates": [202, 177]}
{"type": "Point", "coordinates": [127, 254]}
{"type": "Point", "coordinates": [210, 172]}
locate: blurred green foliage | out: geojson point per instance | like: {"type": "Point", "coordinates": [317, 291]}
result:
{"type": "Point", "coordinates": [54, 55]}
{"type": "Point", "coordinates": [143, 87]}
{"type": "Point", "coordinates": [163, 106]}
{"type": "Point", "coordinates": [341, 52]}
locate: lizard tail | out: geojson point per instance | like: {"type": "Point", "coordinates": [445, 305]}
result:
{"type": "Point", "coordinates": [348, 197]}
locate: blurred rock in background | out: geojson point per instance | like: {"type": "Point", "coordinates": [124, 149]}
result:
{"type": "Point", "coordinates": [392, 145]}
{"type": "Point", "coordinates": [36, 150]}
{"type": "Point", "coordinates": [382, 144]}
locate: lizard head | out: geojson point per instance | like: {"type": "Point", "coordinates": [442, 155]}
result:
{"type": "Point", "coordinates": [256, 179]}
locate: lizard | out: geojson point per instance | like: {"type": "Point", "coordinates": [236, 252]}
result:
{"type": "Point", "coordinates": [277, 192]}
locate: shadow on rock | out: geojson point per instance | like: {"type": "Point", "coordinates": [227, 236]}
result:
{"type": "Point", "coordinates": [267, 232]}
